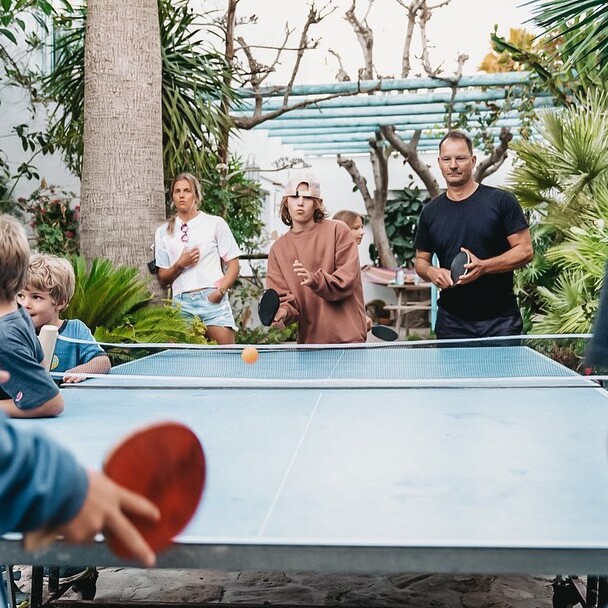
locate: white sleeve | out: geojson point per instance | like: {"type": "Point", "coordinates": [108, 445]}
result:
{"type": "Point", "coordinates": [226, 244]}
{"type": "Point", "coordinates": [161, 255]}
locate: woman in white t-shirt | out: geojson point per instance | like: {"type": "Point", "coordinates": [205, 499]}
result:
{"type": "Point", "coordinates": [197, 256]}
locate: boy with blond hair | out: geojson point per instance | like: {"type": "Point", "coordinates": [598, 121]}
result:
{"type": "Point", "coordinates": [42, 487]}
{"type": "Point", "coordinates": [49, 289]}
{"type": "Point", "coordinates": [30, 392]}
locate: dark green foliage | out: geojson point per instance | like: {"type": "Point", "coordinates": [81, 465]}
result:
{"type": "Point", "coordinates": [236, 198]}
{"type": "Point", "coordinates": [193, 79]}
{"type": "Point", "coordinates": [54, 218]}
{"type": "Point", "coordinates": [116, 304]}
{"type": "Point", "coordinates": [402, 211]}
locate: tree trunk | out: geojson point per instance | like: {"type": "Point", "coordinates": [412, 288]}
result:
{"type": "Point", "coordinates": [374, 204]}
{"type": "Point", "coordinates": [122, 198]}
{"type": "Point", "coordinates": [409, 151]}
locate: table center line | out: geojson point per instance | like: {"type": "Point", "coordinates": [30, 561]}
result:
{"type": "Point", "coordinates": [277, 495]}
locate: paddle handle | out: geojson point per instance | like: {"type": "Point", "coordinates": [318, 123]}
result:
{"type": "Point", "coordinates": [48, 338]}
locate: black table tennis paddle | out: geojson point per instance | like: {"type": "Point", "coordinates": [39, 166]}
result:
{"type": "Point", "coordinates": [382, 332]}
{"type": "Point", "coordinates": [268, 306]}
{"type": "Point", "coordinates": [457, 268]}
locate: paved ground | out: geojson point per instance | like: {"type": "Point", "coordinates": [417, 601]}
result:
{"type": "Point", "coordinates": [304, 589]}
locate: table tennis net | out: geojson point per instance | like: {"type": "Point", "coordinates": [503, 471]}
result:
{"type": "Point", "coordinates": [495, 363]}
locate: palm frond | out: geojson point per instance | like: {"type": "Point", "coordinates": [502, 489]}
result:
{"type": "Point", "coordinates": [584, 21]}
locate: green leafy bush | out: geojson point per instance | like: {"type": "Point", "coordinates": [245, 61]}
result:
{"type": "Point", "coordinates": [54, 217]}
{"type": "Point", "coordinates": [402, 211]}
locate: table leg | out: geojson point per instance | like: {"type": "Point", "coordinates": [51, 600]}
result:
{"type": "Point", "coordinates": [399, 310]}
{"type": "Point", "coordinates": [37, 586]}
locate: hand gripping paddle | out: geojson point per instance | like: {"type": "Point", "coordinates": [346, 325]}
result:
{"type": "Point", "coordinates": [382, 332]}
{"type": "Point", "coordinates": [268, 306]}
{"type": "Point", "coordinates": [457, 268]}
{"type": "Point", "coordinates": [165, 463]}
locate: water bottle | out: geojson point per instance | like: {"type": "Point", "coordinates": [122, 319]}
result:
{"type": "Point", "coordinates": [400, 276]}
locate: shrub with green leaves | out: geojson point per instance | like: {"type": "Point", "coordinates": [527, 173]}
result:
{"type": "Point", "coordinates": [116, 304]}
{"type": "Point", "coordinates": [54, 217]}
{"type": "Point", "coordinates": [401, 215]}
{"type": "Point", "coordinates": [563, 178]}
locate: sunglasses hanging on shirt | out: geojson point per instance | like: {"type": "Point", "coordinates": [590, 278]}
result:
{"type": "Point", "coordinates": [184, 229]}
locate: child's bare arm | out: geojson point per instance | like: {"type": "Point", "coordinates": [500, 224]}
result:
{"type": "Point", "coordinates": [52, 407]}
{"type": "Point", "coordinates": [98, 365]}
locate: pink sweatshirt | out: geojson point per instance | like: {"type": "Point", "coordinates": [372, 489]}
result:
{"type": "Point", "coordinates": [331, 309]}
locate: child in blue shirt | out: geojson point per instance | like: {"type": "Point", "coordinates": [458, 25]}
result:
{"type": "Point", "coordinates": [30, 392]}
{"type": "Point", "coordinates": [49, 289]}
{"type": "Point", "coordinates": [42, 486]}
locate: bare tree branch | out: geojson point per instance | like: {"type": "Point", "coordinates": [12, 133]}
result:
{"type": "Point", "coordinates": [462, 59]}
{"type": "Point", "coordinates": [248, 122]}
{"type": "Point", "coordinates": [412, 11]}
{"type": "Point", "coordinates": [494, 161]}
{"type": "Point", "coordinates": [342, 75]}
{"type": "Point", "coordinates": [314, 16]}
{"type": "Point", "coordinates": [358, 179]}
{"type": "Point", "coordinates": [374, 204]}
{"type": "Point", "coordinates": [409, 151]}
{"type": "Point", "coordinates": [365, 37]}
{"type": "Point", "coordinates": [421, 11]}
{"type": "Point", "coordinates": [424, 16]}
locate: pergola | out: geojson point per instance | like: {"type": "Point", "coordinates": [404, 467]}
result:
{"type": "Point", "coordinates": [344, 125]}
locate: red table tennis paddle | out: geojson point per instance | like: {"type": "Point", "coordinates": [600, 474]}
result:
{"type": "Point", "coordinates": [268, 306]}
{"type": "Point", "coordinates": [165, 463]}
{"type": "Point", "coordinates": [457, 268]}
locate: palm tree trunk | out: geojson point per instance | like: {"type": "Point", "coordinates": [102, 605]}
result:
{"type": "Point", "coordinates": [122, 199]}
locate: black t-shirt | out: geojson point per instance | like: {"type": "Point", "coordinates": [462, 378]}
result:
{"type": "Point", "coordinates": [481, 223]}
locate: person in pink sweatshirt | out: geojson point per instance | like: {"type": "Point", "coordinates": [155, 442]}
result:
{"type": "Point", "coordinates": [315, 269]}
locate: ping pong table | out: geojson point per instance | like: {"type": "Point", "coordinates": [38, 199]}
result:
{"type": "Point", "coordinates": [365, 459]}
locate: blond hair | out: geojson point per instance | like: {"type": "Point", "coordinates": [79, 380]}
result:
{"type": "Point", "coordinates": [196, 188]}
{"type": "Point", "coordinates": [14, 256]}
{"type": "Point", "coordinates": [348, 217]}
{"type": "Point", "coordinates": [53, 274]}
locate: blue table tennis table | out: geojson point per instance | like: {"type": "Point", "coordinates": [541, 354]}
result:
{"type": "Point", "coordinates": [453, 460]}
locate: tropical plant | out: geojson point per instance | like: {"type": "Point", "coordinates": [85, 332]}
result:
{"type": "Point", "coordinates": [116, 304]}
{"type": "Point", "coordinates": [16, 20]}
{"type": "Point", "coordinates": [192, 79]}
{"type": "Point", "coordinates": [569, 57]}
{"type": "Point", "coordinates": [586, 23]}
{"type": "Point", "coordinates": [569, 160]}
{"type": "Point", "coordinates": [563, 178]}
{"type": "Point", "coordinates": [237, 198]}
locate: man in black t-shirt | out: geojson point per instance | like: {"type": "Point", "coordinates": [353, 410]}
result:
{"type": "Point", "coordinates": [490, 225]}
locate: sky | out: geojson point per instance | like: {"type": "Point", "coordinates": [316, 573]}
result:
{"type": "Point", "coordinates": [462, 26]}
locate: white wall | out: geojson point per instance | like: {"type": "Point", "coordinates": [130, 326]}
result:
{"type": "Point", "coordinates": [16, 110]}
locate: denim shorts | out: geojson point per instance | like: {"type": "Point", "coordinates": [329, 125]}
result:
{"type": "Point", "coordinates": [196, 304]}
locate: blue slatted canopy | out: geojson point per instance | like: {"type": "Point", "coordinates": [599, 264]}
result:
{"type": "Point", "coordinates": [344, 125]}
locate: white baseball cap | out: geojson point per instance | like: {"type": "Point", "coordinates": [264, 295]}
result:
{"type": "Point", "coordinates": [303, 177]}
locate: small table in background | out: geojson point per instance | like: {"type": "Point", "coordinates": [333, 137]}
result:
{"type": "Point", "coordinates": [405, 305]}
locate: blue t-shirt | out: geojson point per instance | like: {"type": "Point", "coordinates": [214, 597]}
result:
{"type": "Point", "coordinates": [21, 355]}
{"type": "Point", "coordinates": [70, 354]}
{"type": "Point", "coordinates": [41, 484]}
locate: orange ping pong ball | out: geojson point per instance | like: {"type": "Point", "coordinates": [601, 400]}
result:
{"type": "Point", "coordinates": [250, 355]}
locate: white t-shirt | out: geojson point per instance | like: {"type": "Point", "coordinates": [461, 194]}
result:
{"type": "Point", "coordinates": [216, 243]}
